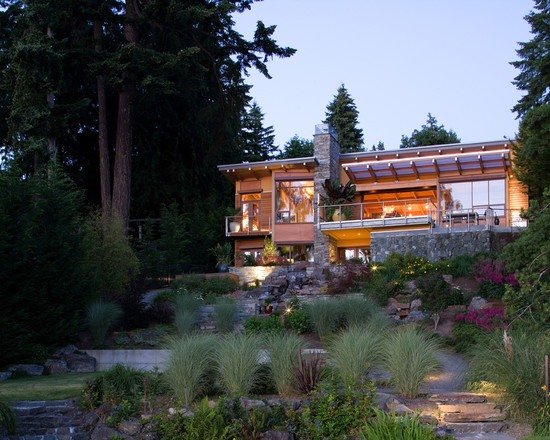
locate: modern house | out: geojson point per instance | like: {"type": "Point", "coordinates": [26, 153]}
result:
{"type": "Point", "coordinates": [434, 201]}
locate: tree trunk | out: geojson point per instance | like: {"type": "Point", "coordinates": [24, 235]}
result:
{"type": "Point", "coordinates": [124, 132]}
{"type": "Point", "coordinates": [103, 139]}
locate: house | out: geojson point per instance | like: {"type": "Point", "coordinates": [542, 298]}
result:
{"type": "Point", "coordinates": [436, 201]}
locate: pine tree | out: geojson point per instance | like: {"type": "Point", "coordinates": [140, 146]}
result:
{"type": "Point", "coordinates": [297, 147]}
{"type": "Point", "coordinates": [429, 134]}
{"type": "Point", "coordinates": [342, 114]}
{"type": "Point", "coordinates": [378, 147]}
{"type": "Point", "coordinates": [534, 61]}
{"type": "Point", "coordinates": [256, 140]}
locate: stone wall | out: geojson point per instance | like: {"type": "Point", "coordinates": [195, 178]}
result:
{"type": "Point", "coordinates": [249, 274]}
{"type": "Point", "coordinates": [437, 245]}
{"type": "Point", "coordinates": [327, 153]}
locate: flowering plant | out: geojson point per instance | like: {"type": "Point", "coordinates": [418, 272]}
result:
{"type": "Point", "coordinates": [494, 272]}
{"type": "Point", "coordinates": [487, 319]}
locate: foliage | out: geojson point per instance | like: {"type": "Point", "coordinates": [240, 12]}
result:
{"type": "Point", "coordinates": [335, 412]}
{"type": "Point", "coordinates": [206, 287]}
{"type": "Point", "coordinates": [263, 324]}
{"type": "Point", "coordinates": [531, 158]}
{"type": "Point", "coordinates": [173, 240]}
{"type": "Point", "coordinates": [533, 59]}
{"type": "Point", "coordinates": [384, 426]}
{"type": "Point", "coordinates": [8, 419]}
{"type": "Point", "coordinates": [190, 359]}
{"type": "Point", "coordinates": [436, 293]}
{"type": "Point", "coordinates": [298, 320]}
{"type": "Point", "coordinates": [284, 350]}
{"type": "Point", "coordinates": [350, 274]}
{"type": "Point", "coordinates": [101, 316]}
{"type": "Point", "coordinates": [355, 310]}
{"type": "Point", "coordinates": [381, 286]}
{"type": "Point", "coordinates": [256, 140]}
{"type": "Point", "coordinates": [223, 253]}
{"type": "Point", "coordinates": [237, 362]}
{"type": "Point", "coordinates": [108, 256]}
{"type": "Point", "coordinates": [186, 308]}
{"type": "Point", "coordinates": [529, 256]}
{"type": "Point", "coordinates": [225, 312]}
{"type": "Point", "coordinates": [337, 193]}
{"type": "Point", "coordinates": [429, 134]}
{"type": "Point", "coordinates": [297, 147]}
{"type": "Point", "coordinates": [354, 352]}
{"type": "Point", "coordinates": [324, 316]}
{"type": "Point", "coordinates": [466, 336]}
{"type": "Point", "coordinates": [45, 283]}
{"type": "Point", "coordinates": [516, 365]}
{"type": "Point", "coordinates": [461, 265]}
{"type": "Point", "coordinates": [410, 355]}
{"type": "Point", "coordinates": [308, 372]}
{"type": "Point", "coordinates": [406, 266]}
{"type": "Point", "coordinates": [270, 254]}
{"type": "Point", "coordinates": [121, 386]}
{"type": "Point", "coordinates": [342, 114]}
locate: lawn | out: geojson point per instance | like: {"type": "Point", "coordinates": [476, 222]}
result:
{"type": "Point", "coordinates": [63, 386]}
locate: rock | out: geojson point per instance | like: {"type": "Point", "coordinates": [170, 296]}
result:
{"type": "Point", "coordinates": [414, 316]}
{"type": "Point", "coordinates": [185, 411]}
{"type": "Point", "coordinates": [80, 363]}
{"type": "Point", "coordinates": [30, 369]}
{"type": "Point", "coordinates": [381, 400]}
{"type": "Point", "coordinates": [56, 366]}
{"type": "Point", "coordinates": [428, 419]}
{"type": "Point", "coordinates": [103, 432]}
{"type": "Point", "coordinates": [416, 304]}
{"type": "Point", "coordinates": [251, 403]}
{"type": "Point", "coordinates": [130, 427]}
{"type": "Point", "coordinates": [395, 406]}
{"type": "Point", "coordinates": [477, 303]}
{"type": "Point", "coordinates": [276, 435]}
{"type": "Point", "coordinates": [410, 287]}
{"type": "Point", "coordinates": [457, 397]}
{"type": "Point", "coordinates": [65, 351]}
{"type": "Point", "coordinates": [5, 375]}
{"type": "Point", "coordinates": [448, 279]}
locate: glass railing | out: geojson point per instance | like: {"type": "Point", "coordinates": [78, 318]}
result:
{"type": "Point", "coordinates": [238, 224]}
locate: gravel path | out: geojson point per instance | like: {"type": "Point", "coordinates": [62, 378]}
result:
{"type": "Point", "coordinates": [451, 377]}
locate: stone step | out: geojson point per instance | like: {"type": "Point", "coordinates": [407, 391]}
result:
{"type": "Point", "coordinates": [494, 416]}
{"type": "Point", "coordinates": [466, 407]}
{"type": "Point", "coordinates": [457, 398]}
{"type": "Point", "coordinates": [472, 428]}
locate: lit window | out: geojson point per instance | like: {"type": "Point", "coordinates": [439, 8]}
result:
{"type": "Point", "coordinates": [294, 201]}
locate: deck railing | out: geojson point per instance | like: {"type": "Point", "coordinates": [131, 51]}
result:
{"type": "Point", "coordinates": [246, 225]}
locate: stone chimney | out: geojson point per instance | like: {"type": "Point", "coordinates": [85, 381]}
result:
{"type": "Point", "coordinates": [326, 150]}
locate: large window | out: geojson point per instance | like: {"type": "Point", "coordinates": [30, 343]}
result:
{"type": "Point", "coordinates": [294, 201]}
{"type": "Point", "coordinates": [473, 196]}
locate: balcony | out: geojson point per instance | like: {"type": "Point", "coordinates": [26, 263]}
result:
{"type": "Point", "coordinates": [238, 226]}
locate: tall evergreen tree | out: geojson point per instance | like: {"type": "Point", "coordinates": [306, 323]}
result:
{"type": "Point", "coordinates": [342, 114]}
{"type": "Point", "coordinates": [534, 62]}
{"type": "Point", "coordinates": [429, 134]}
{"type": "Point", "coordinates": [378, 147]}
{"type": "Point", "coordinates": [256, 140]}
{"type": "Point", "coordinates": [297, 147]}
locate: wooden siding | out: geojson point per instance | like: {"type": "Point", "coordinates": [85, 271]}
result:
{"type": "Point", "coordinates": [517, 195]}
{"type": "Point", "coordinates": [265, 211]}
{"type": "Point", "coordinates": [288, 233]}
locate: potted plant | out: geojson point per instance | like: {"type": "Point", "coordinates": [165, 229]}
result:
{"type": "Point", "coordinates": [338, 194]}
{"type": "Point", "coordinates": [234, 223]}
{"type": "Point", "coordinates": [223, 254]}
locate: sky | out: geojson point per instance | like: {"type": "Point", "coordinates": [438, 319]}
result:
{"type": "Point", "coordinates": [398, 59]}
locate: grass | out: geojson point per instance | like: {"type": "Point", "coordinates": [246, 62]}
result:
{"type": "Point", "coordinates": [189, 361]}
{"type": "Point", "coordinates": [410, 355]}
{"type": "Point", "coordinates": [237, 363]}
{"type": "Point", "coordinates": [355, 352]}
{"type": "Point", "coordinates": [186, 308]}
{"type": "Point", "coordinates": [62, 386]}
{"type": "Point", "coordinates": [7, 418]}
{"type": "Point", "coordinates": [101, 316]}
{"type": "Point", "coordinates": [355, 311]}
{"type": "Point", "coordinates": [284, 350]}
{"type": "Point", "coordinates": [390, 427]}
{"type": "Point", "coordinates": [324, 316]}
{"type": "Point", "coordinates": [225, 312]}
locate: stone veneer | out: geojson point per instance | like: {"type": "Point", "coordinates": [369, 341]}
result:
{"type": "Point", "coordinates": [249, 274]}
{"type": "Point", "coordinates": [438, 244]}
{"type": "Point", "coordinates": [327, 152]}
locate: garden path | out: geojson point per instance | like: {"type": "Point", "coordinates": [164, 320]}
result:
{"type": "Point", "coordinates": [450, 377]}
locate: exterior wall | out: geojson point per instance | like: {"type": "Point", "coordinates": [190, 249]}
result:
{"type": "Point", "coordinates": [327, 153]}
{"type": "Point", "coordinates": [438, 245]}
{"type": "Point", "coordinates": [249, 274]}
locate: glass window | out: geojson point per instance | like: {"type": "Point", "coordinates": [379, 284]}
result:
{"type": "Point", "coordinates": [497, 192]}
{"type": "Point", "coordinates": [294, 201]}
{"type": "Point", "coordinates": [476, 195]}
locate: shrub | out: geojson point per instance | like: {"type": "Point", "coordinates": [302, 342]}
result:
{"type": "Point", "coordinates": [186, 307]}
{"type": "Point", "coordinates": [466, 336]}
{"type": "Point", "coordinates": [237, 362]}
{"type": "Point", "coordinates": [308, 371]}
{"type": "Point", "coordinates": [516, 365]}
{"type": "Point", "coordinates": [405, 267]}
{"type": "Point", "coordinates": [436, 293]}
{"type": "Point", "coordinates": [7, 418]}
{"type": "Point", "coordinates": [385, 426]}
{"type": "Point", "coordinates": [206, 288]}
{"type": "Point", "coordinates": [298, 320]}
{"type": "Point", "coordinates": [325, 316]}
{"type": "Point", "coordinates": [410, 355]}
{"type": "Point", "coordinates": [284, 350]}
{"type": "Point", "coordinates": [335, 412]}
{"type": "Point", "coordinates": [101, 316]}
{"type": "Point", "coordinates": [354, 352]}
{"type": "Point", "coordinates": [263, 324]}
{"type": "Point", "coordinates": [487, 319]}
{"type": "Point", "coordinates": [188, 364]}
{"type": "Point", "coordinates": [381, 286]}
{"type": "Point", "coordinates": [225, 312]}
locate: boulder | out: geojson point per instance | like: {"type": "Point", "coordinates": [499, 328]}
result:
{"type": "Point", "coordinates": [65, 351]}
{"type": "Point", "coordinates": [276, 435]}
{"type": "Point", "coordinates": [414, 316]}
{"type": "Point", "coordinates": [396, 407]}
{"type": "Point", "coordinates": [410, 287]}
{"type": "Point", "coordinates": [130, 427]}
{"type": "Point", "coordinates": [448, 279]}
{"type": "Point", "coordinates": [30, 369]}
{"type": "Point", "coordinates": [103, 432]}
{"type": "Point", "coordinates": [416, 304]}
{"type": "Point", "coordinates": [477, 303]}
{"type": "Point", "coordinates": [56, 366]}
{"type": "Point", "coordinates": [5, 375]}
{"type": "Point", "coordinates": [251, 403]}
{"type": "Point", "coordinates": [80, 363]}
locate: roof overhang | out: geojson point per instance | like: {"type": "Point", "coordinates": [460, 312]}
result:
{"type": "Point", "coordinates": [437, 161]}
{"type": "Point", "coordinates": [245, 170]}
